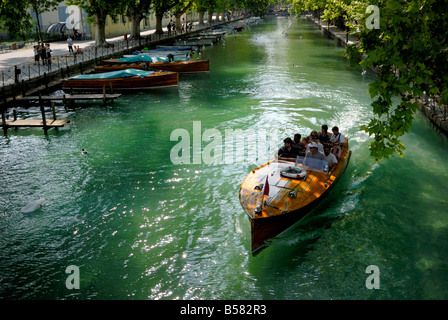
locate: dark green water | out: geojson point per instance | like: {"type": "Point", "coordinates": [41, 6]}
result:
{"type": "Point", "coordinates": [140, 227]}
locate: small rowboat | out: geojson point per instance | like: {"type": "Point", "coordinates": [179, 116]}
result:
{"type": "Point", "coordinates": [129, 79]}
{"type": "Point", "coordinates": [279, 193]}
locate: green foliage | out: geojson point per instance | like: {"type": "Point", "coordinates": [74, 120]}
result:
{"type": "Point", "coordinates": [409, 51]}
{"type": "Point", "coordinates": [15, 16]}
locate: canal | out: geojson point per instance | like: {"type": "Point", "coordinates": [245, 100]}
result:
{"type": "Point", "coordinates": [139, 225]}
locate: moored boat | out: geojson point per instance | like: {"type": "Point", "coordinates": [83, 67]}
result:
{"type": "Point", "coordinates": [178, 65]}
{"type": "Point", "coordinates": [129, 79]}
{"type": "Point", "coordinates": [279, 193]}
{"type": "Point", "coordinates": [116, 67]}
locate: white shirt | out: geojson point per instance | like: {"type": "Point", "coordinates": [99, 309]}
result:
{"type": "Point", "coordinates": [337, 137]}
{"type": "Point", "coordinates": [331, 158]}
{"type": "Point", "coordinates": [70, 41]}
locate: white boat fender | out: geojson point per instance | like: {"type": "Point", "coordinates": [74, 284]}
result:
{"type": "Point", "coordinates": [32, 206]}
{"type": "Point", "coordinates": [294, 173]}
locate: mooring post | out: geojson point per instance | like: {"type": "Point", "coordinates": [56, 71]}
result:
{"type": "Point", "coordinates": [13, 92]}
{"type": "Point", "coordinates": [23, 88]}
{"type": "Point", "coordinates": [14, 114]}
{"type": "Point", "coordinates": [53, 109]}
{"type": "Point", "coordinates": [5, 128]}
{"type": "Point", "coordinates": [42, 110]}
{"type": "Point", "coordinates": [104, 94]}
{"type": "Point", "coordinates": [111, 89]}
{"type": "Point", "coordinates": [46, 83]}
{"type": "Point", "coordinates": [4, 96]}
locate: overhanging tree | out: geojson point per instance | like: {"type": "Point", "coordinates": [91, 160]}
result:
{"type": "Point", "coordinates": [137, 9]}
{"type": "Point", "coordinates": [179, 10]}
{"type": "Point", "coordinates": [161, 7]}
{"type": "Point", "coordinates": [97, 11]}
{"type": "Point", "coordinates": [15, 16]}
{"type": "Point", "coordinates": [410, 51]}
{"type": "Point", "coordinates": [39, 6]}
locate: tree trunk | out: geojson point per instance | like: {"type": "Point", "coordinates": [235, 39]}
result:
{"type": "Point", "coordinates": [178, 24]}
{"type": "Point", "coordinates": [136, 16]}
{"type": "Point", "coordinates": [201, 18]}
{"type": "Point", "coordinates": [159, 27]}
{"type": "Point", "coordinates": [210, 17]}
{"type": "Point", "coordinates": [39, 32]}
{"type": "Point", "coordinates": [100, 30]}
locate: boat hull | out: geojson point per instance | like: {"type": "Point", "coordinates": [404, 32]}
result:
{"type": "Point", "coordinates": [191, 66]}
{"type": "Point", "coordinates": [264, 229]}
{"type": "Point", "coordinates": [155, 80]}
{"type": "Point", "coordinates": [281, 211]}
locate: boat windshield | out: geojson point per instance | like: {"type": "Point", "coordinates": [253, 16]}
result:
{"type": "Point", "coordinates": [308, 164]}
{"type": "Point", "coordinates": [312, 164]}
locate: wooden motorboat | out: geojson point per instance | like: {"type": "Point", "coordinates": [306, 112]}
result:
{"type": "Point", "coordinates": [187, 66]}
{"type": "Point", "coordinates": [279, 193]}
{"type": "Point", "coordinates": [129, 79]}
{"type": "Point", "coordinates": [181, 66]}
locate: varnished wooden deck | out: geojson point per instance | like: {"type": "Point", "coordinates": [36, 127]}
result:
{"type": "Point", "coordinates": [35, 123]}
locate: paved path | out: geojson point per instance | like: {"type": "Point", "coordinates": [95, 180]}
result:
{"type": "Point", "coordinates": [26, 54]}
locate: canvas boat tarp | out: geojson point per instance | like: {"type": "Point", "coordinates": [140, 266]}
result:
{"type": "Point", "coordinates": [114, 74]}
{"type": "Point", "coordinates": [139, 58]}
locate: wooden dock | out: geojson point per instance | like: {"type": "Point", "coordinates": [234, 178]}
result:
{"type": "Point", "coordinates": [35, 123]}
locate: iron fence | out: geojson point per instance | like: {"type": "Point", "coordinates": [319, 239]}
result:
{"type": "Point", "coordinates": [436, 107]}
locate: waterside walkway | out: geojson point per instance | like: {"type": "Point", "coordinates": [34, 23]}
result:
{"type": "Point", "coordinates": [19, 73]}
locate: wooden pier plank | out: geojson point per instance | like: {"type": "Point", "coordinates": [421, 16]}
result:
{"type": "Point", "coordinates": [35, 123]}
{"type": "Point", "coordinates": [71, 97]}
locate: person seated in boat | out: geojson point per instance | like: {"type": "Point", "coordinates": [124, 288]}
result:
{"type": "Point", "coordinates": [170, 57]}
{"type": "Point", "coordinates": [320, 146]}
{"type": "Point", "coordinates": [288, 151]}
{"type": "Point", "coordinates": [337, 136]}
{"type": "Point", "coordinates": [313, 134]}
{"type": "Point", "coordinates": [306, 141]}
{"type": "Point", "coordinates": [330, 158]}
{"type": "Point", "coordinates": [313, 153]}
{"type": "Point", "coordinates": [324, 136]}
{"type": "Point", "coordinates": [336, 150]}
{"type": "Point", "coordinates": [299, 144]}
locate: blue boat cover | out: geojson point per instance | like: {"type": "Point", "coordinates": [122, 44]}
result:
{"type": "Point", "coordinates": [114, 74]}
{"type": "Point", "coordinates": [140, 58]}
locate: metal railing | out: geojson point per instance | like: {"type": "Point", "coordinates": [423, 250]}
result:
{"type": "Point", "coordinates": [436, 108]}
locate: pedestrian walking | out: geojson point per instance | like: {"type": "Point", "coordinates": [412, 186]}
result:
{"type": "Point", "coordinates": [48, 50]}
{"type": "Point", "coordinates": [43, 54]}
{"type": "Point", "coordinates": [70, 44]}
{"type": "Point", "coordinates": [36, 55]}
{"type": "Point", "coordinates": [169, 28]}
